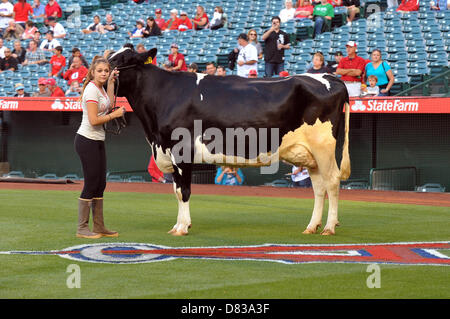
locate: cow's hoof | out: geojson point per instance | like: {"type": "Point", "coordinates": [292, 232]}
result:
{"type": "Point", "coordinates": [327, 232]}
{"type": "Point", "coordinates": [309, 231]}
{"type": "Point", "coordinates": [190, 225]}
{"type": "Point", "coordinates": [180, 233]}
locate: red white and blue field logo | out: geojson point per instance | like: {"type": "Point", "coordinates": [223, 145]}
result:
{"type": "Point", "coordinates": [422, 253]}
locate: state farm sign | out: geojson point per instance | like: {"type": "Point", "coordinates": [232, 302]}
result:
{"type": "Point", "coordinates": [400, 105]}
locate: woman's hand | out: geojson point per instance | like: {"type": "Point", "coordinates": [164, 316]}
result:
{"type": "Point", "coordinates": [118, 113]}
{"type": "Point", "coordinates": [113, 76]}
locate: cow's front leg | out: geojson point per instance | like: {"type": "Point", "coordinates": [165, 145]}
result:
{"type": "Point", "coordinates": [182, 188]}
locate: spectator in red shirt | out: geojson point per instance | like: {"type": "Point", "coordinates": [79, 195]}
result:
{"type": "Point", "coordinates": [76, 72]}
{"type": "Point", "coordinates": [176, 59]}
{"type": "Point", "coordinates": [54, 89]}
{"type": "Point", "coordinates": [351, 69]}
{"type": "Point", "coordinates": [173, 22]}
{"type": "Point", "coordinates": [185, 22]}
{"type": "Point", "coordinates": [158, 19]}
{"type": "Point", "coordinates": [155, 172]}
{"type": "Point", "coordinates": [201, 19]}
{"type": "Point", "coordinates": [52, 9]}
{"type": "Point", "coordinates": [408, 5]}
{"type": "Point", "coordinates": [22, 12]}
{"type": "Point", "coordinates": [57, 63]}
{"type": "Point", "coordinates": [304, 11]}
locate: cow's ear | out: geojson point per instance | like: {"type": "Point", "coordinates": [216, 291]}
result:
{"type": "Point", "coordinates": [147, 57]}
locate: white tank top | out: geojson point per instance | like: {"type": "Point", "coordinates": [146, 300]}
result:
{"type": "Point", "coordinates": [93, 94]}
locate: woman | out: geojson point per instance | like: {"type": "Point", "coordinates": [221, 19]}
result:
{"type": "Point", "coordinates": [201, 19]}
{"type": "Point", "coordinates": [151, 29]}
{"type": "Point", "coordinates": [382, 71]}
{"type": "Point", "coordinates": [29, 31]}
{"type": "Point", "coordinates": [318, 64]}
{"type": "Point", "coordinates": [218, 20]}
{"type": "Point", "coordinates": [176, 59]}
{"type": "Point", "coordinates": [90, 146]}
{"type": "Point", "coordinates": [253, 40]}
{"type": "Point", "coordinates": [22, 12]}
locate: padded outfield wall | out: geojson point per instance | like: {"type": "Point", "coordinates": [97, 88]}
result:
{"type": "Point", "coordinates": [37, 138]}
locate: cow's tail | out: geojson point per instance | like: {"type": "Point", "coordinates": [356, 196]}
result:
{"type": "Point", "coordinates": [345, 162]}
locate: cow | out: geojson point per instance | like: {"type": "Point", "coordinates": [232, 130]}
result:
{"type": "Point", "coordinates": [305, 110]}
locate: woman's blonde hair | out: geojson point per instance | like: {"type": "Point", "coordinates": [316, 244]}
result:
{"type": "Point", "coordinates": [90, 75]}
{"type": "Point", "coordinates": [250, 31]}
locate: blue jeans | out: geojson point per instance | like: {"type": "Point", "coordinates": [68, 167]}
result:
{"type": "Point", "coordinates": [318, 25]}
{"type": "Point", "coordinates": [273, 68]}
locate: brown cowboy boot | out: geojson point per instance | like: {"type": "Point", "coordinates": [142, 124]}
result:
{"type": "Point", "coordinates": [83, 221]}
{"type": "Point", "coordinates": [97, 216]}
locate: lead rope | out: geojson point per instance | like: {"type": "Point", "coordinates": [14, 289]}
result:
{"type": "Point", "coordinates": [120, 122]}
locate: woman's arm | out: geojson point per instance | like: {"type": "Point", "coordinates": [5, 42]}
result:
{"type": "Point", "coordinates": [391, 78]}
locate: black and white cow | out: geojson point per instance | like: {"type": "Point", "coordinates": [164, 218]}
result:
{"type": "Point", "coordinates": [304, 109]}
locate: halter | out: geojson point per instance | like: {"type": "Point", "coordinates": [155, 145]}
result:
{"type": "Point", "coordinates": [120, 122]}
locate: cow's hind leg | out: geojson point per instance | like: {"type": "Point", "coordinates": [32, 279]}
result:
{"type": "Point", "coordinates": [182, 188]}
{"type": "Point", "coordinates": [319, 198]}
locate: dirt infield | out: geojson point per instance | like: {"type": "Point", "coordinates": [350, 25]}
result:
{"type": "Point", "coordinates": [412, 198]}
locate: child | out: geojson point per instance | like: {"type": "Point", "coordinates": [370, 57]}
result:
{"type": "Point", "coordinates": [372, 89]}
{"type": "Point", "coordinates": [57, 63]}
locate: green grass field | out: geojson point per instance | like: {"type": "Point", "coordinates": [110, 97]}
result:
{"type": "Point", "coordinates": [46, 220]}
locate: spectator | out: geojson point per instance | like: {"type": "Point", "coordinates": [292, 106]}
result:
{"type": "Point", "coordinates": [408, 6]}
{"type": "Point", "coordinates": [318, 64]}
{"type": "Point", "coordinates": [173, 22]}
{"type": "Point", "coordinates": [211, 68]}
{"type": "Point", "coordinates": [56, 27]}
{"type": "Point", "coordinates": [372, 89]}
{"type": "Point", "coordinates": [351, 69]}
{"type": "Point", "coordinates": [252, 74]}
{"type": "Point", "coordinates": [201, 19]}
{"type": "Point", "coordinates": [13, 31]}
{"type": "Point", "coordinates": [300, 177]}
{"type": "Point", "coordinates": [304, 10]}
{"type": "Point", "coordinates": [77, 53]}
{"type": "Point", "coordinates": [152, 29]}
{"type": "Point", "coordinates": [219, 19]}
{"type": "Point", "coordinates": [138, 32]}
{"type": "Point", "coordinates": [42, 89]}
{"type": "Point", "coordinates": [140, 48]}
{"type": "Point", "coordinates": [276, 41]}
{"type": "Point", "coordinates": [439, 5]}
{"type": "Point", "coordinates": [176, 59]}
{"type": "Point", "coordinates": [193, 68]}
{"type": "Point", "coordinates": [34, 55]}
{"type": "Point", "coordinates": [37, 37]}
{"type": "Point", "coordinates": [52, 9]}
{"type": "Point", "coordinates": [38, 9]}
{"type": "Point", "coordinates": [95, 26]}
{"type": "Point", "coordinates": [76, 72]}
{"type": "Point", "coordinates": [323, 13]}
{"type": "Point", "coordinates": [353, 8]}
{"type": "Point", "coordinates": [8, 62]}
{"type": "Point", "coordinates": [55, 90]}
{"type": "Point", "coordinates": [57, 63]}
{"type": "Point", "coordinates": [6, 14]}
{"type": "Point", "coordinates": [229, 176]}
{"type": "Point", "coordinates": [382, 71]}
{"type": "Point", "coordinates": [247, 58]}
{"type": "Point", "coordinates": [221, 71]}
{"type": "Point", "coordinates": [19, 52]}
{"type": "Point", "coordinates": [20, 91]}
{"type": "Point", "coordinates": [74, 89]}
{"type": "Point", "coordinates": [253, 40]}
{"type": "Point", "coordinates": [332, 66]}
{"type": "Point", "coordinates": [109, 25]}
{"type": "Point", "coordinates": [22, 12]}
{"type": "Point", "coordinates": [49, 43]}
{"type": "Point", "coordinates": [288, 12]}
{"type": "Point", "coordinates": [2, 49]}
{"type": "Point", "coordinates": [155, 173]}
{"type": "Point", "coordinates": [29, 31]}
{"type": "Point", "coordinates": [158, 19]}
{"type": "Point", "coordinates": [184, 22]}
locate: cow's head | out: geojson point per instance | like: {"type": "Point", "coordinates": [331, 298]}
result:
{"type": "Point", "coordinates": [128, 57]}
